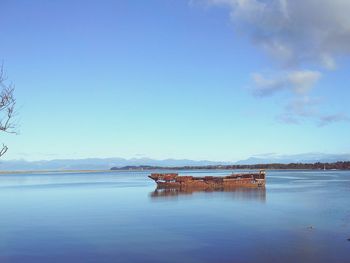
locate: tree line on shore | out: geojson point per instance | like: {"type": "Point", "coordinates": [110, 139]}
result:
{"type": "Point", "coordinates": [306, 166]}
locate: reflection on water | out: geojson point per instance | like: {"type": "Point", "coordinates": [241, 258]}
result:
{"type": "Point", "coordinates": [239, 193]}
{"type": "Point", "coordinates": [301, 216]}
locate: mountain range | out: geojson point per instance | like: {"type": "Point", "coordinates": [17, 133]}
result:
{"type": "Point", "coordinates": [295, 158]}
{"type": "Point", "coordinates": [95, 163]}
{"type": "Point", "coordinates": [107, 163]}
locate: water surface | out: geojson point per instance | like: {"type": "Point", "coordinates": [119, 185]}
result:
{"type": "Point", "coordinates": [301, 216]}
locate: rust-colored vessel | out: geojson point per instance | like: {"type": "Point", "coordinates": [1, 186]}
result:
{"type": "Point", "coordinates": [173, 180]}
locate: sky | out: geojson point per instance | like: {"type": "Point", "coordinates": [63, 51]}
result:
{"type": "Point", "coordinates": [217, 80]}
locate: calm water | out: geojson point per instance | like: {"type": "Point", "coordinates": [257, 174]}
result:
{"type": "Point", "coordinates": [302, 216]}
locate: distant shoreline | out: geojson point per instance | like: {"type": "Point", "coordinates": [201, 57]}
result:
{"type": "Point", "coordinates": [53, 171]}
{"type": "Point", "coordinates": [339, 166]}
{"type": "Point", "coordinates": [142, 170]}
{"type": "Point", "coordinates": [270, 166]}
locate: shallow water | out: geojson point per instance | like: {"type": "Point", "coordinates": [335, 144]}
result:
{"type": "Point", "coordinates": [302, 216]}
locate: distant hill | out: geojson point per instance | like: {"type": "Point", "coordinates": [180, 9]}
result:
{"type": "Point", "coordinates": [271, 166]}
{"type": "Point", "coordinates": [296, 158]}
{"type": "Point", "coordinates": [107, 163]}
{"type": "Point", "coordinates": [95, 164]}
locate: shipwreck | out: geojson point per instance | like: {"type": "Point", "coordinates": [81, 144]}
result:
{"type": "Point", "coordinates": [174, 180]}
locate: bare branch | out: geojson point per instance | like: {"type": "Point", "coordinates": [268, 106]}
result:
{"type": "Point", "coordinates": [7, 108]}
{"type": "Point", "coordinates": [3, 150]}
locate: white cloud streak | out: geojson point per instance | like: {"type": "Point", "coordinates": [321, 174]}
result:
{"type": "Point", "coordinates": [297, 34]}
{"type": "Point", "coordinates": [295, 31]}
{"type": "Point", "coordinates": [300, 82]}
{"type": "Point", "coordinates": [328, 119]}
{"type": "Point", "coordinates": [303, 106]}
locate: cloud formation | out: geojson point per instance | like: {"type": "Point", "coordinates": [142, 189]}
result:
{"type": "Point", "coordinates": [298, 108]}
{"type": "Point", "coordinates": [295, 31]}
{"type": "Point", "coordinates": [299, 82]}
{"type": "Point", "coordinates": [327, 119]}
{"type": "Point", "coordinates": [297, 34]}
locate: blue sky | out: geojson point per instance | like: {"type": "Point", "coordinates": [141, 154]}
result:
{"type": "Point", "coordinates": [172, 79]}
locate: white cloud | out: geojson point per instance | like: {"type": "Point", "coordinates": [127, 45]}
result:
{"type": "Point", "coordinates": [297, 34]}
{"type": "Point", "coordinates": [295, 31]}
{"type": "Point", "coordinates": [300, 82]}
{"type": "Point", "coordinates": [303, 106]}
{"type": "Point", "coordinates": [328, 119]}
{"type": "Point", "coordinates": [303, 81]}
{"type": "Point", "coordinates": [299, 108]}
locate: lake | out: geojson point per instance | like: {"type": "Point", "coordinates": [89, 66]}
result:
{"type": "Point", "coordinates": [301, 216]}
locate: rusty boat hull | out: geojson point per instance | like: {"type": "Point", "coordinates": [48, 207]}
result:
{"type": "Point", "coordinates": [173, 180]}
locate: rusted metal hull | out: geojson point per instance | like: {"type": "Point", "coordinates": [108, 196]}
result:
{"type": "Point", "coordinates": [251, 180]}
